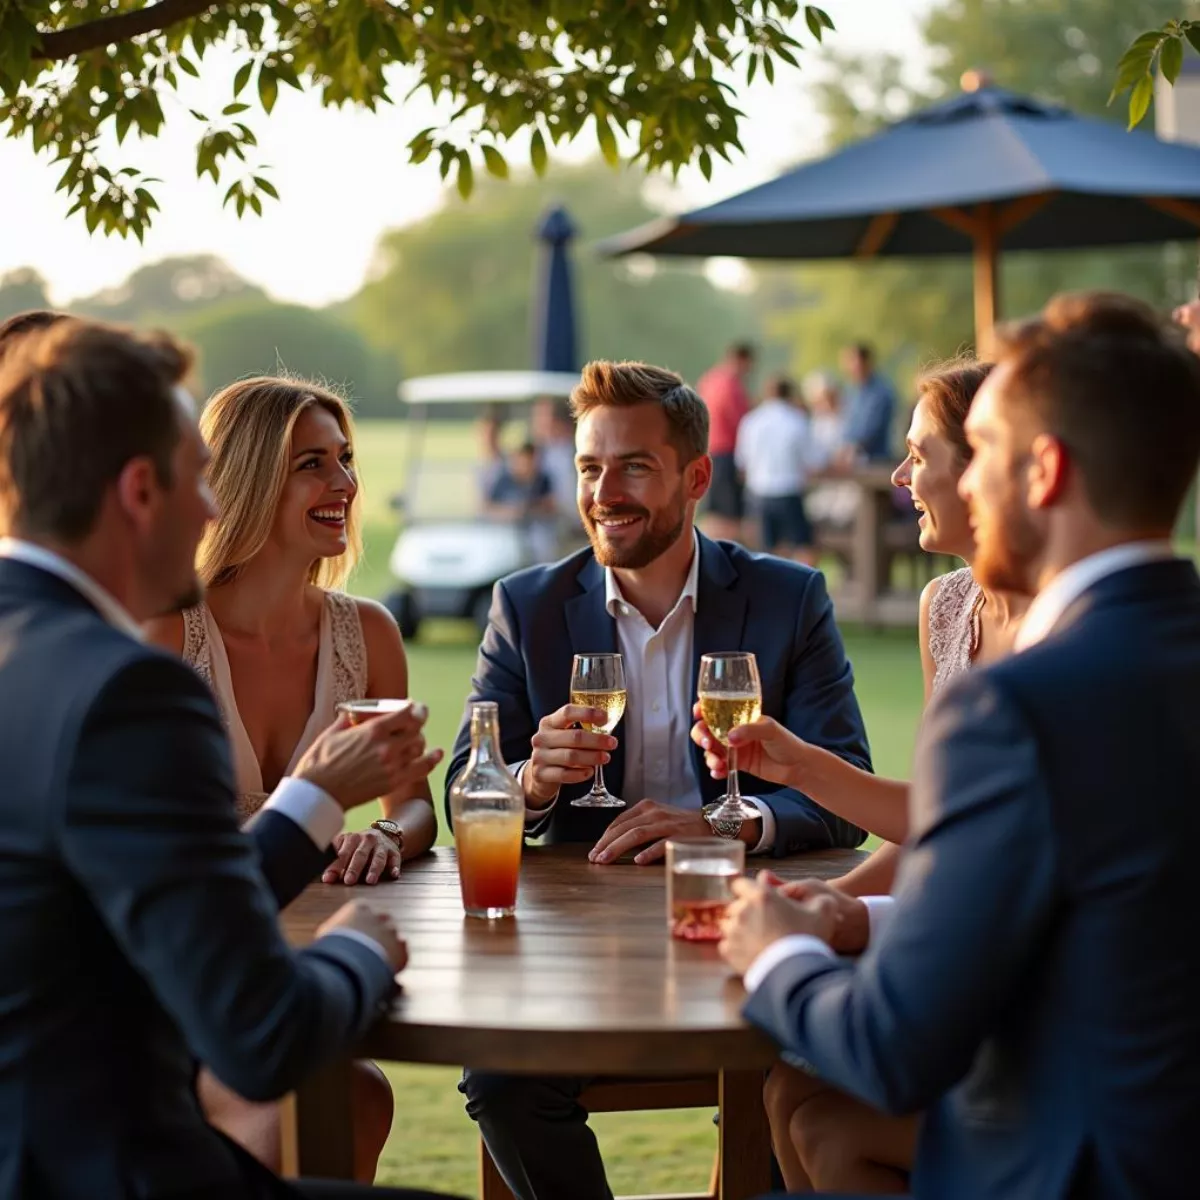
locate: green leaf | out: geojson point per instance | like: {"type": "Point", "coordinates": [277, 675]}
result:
{"type": "Point", "coordinates": [607, 140]}
{"type": "Point", "coordinates": [368, 37]}
{"type": "Point", "coordinates": [124, 119]}
{"type": "Point", "coordinates": [466, 175]}
{"type": "Point", "coordinates": [186, 65]}
{"type": "Point", "coordinates": [1139, 100]}
{"type": "Point", "coordinates": [769, 68]}
{"type": "Point", "coordinates": [419, 149]}
{"type": "Point", "coordinates": [1170, 59]}
{"type": "Point", "coordinates": [256, 204]}
{"type": "Point", "coordinates": [705, 161]}
{"type": "Point", "coordinates": [242, 77]}
{"type": "Point", "coordinates": [537, 152]}
{"type": "Point", "coordinates": [265, 185]}
{"type": "Point", "coordinates": [198, 115]}
{"type": "Point", "coordinates": [268, 88]}
{"type": "Point", "coordinates": [231, 110]}
{"type": "Point", "coordinates": [752, 70]}
{"type": "Point", "coordinates": [494, 161]}
{"type": "Point", "coordinates": [814, 22]}
{"type": "Point", "coordinates": [1192, 33]}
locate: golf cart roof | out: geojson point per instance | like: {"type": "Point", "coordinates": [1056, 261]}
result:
{"type": "Point", "coordinates": [473, 387]}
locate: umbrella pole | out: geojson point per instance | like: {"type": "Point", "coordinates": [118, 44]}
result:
{"type": "Point", "coordinates": [987, 289]}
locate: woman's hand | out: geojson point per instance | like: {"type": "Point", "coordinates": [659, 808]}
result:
{"type": "Point", "coordinates": [764, 748]}
{"type": "Point", "coordinates": [368, 856]}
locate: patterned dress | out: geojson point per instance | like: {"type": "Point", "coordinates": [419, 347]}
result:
{"type": "Point", "coordinates": [341, 675]}
{"type": "Point", "coordinates": [954, 626]}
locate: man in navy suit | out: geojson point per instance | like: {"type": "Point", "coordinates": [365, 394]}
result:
{"type": "Point", "coordinates": [652, 588]}
{"type": "Point", "coordinates": [1033, 986]}
{"type": "Point", "coordinates": [138, 923]}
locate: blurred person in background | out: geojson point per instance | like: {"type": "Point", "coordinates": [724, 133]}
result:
{"type": "Point", "coordinates": [773, 453]}
{"type": "Point", "coordinates": [553, 431]}
{"type": "Point", "coordinates": [830, 502]}
{"type": "Point", "coordinates": [870, 410]}
{"type": "Point", "coordinates": [723, 390]}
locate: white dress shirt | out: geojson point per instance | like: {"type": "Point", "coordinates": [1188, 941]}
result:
{"type": "Point", "coordinates": [656, 728]}
{"type": "Point", "coordinates": [1052, 602]}
{"type": "Point", "coordinates": [1048, 608]}
{"type": "Point", "coordinates": [774, 449]}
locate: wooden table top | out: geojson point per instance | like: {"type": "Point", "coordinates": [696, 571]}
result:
{"type": "Point", "coordinates": [584, 980]}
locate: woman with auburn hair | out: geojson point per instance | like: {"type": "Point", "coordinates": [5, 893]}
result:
{"type": "Point", "coordinates": [824, 1139]}
{"type": "Point", "coordinates": [281, 646]}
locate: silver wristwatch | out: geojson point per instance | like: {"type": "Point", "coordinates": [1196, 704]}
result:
{"type": "Point", "coordinates": [724, 827]}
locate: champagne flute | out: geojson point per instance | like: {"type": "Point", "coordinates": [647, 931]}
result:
{"type": "Point", "coordinates": [730, 695]}
{"type": "Point", "coordinates": [598, 681]}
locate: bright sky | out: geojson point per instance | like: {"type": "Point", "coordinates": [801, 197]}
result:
{"type": "Point", "coordinates": [344, 178]}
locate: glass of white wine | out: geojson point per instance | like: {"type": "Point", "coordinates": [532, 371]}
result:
{"type": "Point", "coordinates": [598, 681]}
{"type": "Point", "coordinates": [730, 695]}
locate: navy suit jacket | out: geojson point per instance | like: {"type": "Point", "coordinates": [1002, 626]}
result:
{"type": "Point", "coordinates": [1036, 987]}
{"type": "Point", "coordinates": [138, 923]}
{"type": "Point", "coordinates": [543, 616]}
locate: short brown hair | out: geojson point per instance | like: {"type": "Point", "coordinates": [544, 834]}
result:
{"type": "Point", "coordinates": [248, 427]}
{"type": "Point", "coordinates": [78, 401]}
{"type": "Point", "coordinates": [626, 384]}
{"type": "Point", "coordinates": [1115, 382]}
{"type": "Point", "coordinates": [947, 391]}
{"type": "Point", "coordinates": [29, 321]}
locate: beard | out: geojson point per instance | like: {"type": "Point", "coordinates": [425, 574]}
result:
{"type": "Point", "coordinates": [660, 531]}
{"type": "Point", "coordinates": [187, 597]}
{"type": "Point", "coordinates": [1007, 546]}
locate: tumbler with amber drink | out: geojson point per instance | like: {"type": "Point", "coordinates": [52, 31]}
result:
{"type": "Point", "coordinates": [700, 875]}
{"type": "Point", "coordinates": [487, 807]}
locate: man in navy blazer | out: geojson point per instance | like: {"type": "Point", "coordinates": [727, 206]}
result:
{"type": "Point", "coordinates": [1033, 985]}
{"type": "Point", "coordinates": [138, 923]}
{"type": "Point", "coordinates": [654, 589]}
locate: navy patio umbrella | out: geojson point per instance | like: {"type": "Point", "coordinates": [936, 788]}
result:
{"type": "Point", "coordinates": [555, 347]}
{"type": "Point", "coordinates": [985, 170]}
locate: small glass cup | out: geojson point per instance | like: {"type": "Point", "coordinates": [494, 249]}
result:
{"type": "Point", "coordinates": [700, 875]}
{"type": "Point", "coordinates": [363, 710]}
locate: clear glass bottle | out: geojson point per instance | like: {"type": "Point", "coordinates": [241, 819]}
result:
{"type": "Point", "coordinates": [487, 807]}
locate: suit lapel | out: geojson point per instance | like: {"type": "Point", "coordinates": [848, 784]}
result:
{"type": "Point", "coordinates": [720, 625]}
{"type": "Point", "coordinates": [593, 631]}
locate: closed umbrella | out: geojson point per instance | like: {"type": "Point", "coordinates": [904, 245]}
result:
{"type": "Point", "coordinates": [555, 346]}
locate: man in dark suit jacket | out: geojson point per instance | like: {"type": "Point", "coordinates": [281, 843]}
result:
{"type": "Point", "coordinates": [662, 595]}
{"type": "Point", "coordinates": [1033, 985]}
{"type": "Point", "coordinates": [138, 923]}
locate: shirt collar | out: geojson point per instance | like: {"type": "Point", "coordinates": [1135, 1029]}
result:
{"type": "Point", "coordinates": [103, 601]}
{"type": "Point", "coordinates": [1052, 602]}
{"type": "Point", "coordinates": [615, 601]}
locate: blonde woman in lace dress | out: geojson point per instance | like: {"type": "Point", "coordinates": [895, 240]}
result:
{"type": "Point", "coordinates": [823, 1138]}
{"type": "Point", "coordinates": [281, 647]}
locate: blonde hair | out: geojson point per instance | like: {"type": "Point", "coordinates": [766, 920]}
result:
{"type": "Point", "coordinates": [248, 427]}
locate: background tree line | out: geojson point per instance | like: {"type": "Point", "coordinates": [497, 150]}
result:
{"type": "Point", "coordinates": [453, 292]}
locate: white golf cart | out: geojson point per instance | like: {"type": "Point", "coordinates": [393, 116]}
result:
{"type": "Point", "coordinates": [450, 552]}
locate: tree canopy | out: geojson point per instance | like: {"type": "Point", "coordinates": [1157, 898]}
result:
{"type": "Point", "coordinates": [455, 291]}
{"type": "Point", "coordinates": [655, 72]}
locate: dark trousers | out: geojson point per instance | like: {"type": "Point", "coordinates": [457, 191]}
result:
{"type": "Point", "coordinates": [537, 1133]}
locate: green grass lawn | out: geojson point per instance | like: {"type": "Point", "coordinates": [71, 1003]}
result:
{"type": "Point", "coordinates": [433, 1143]}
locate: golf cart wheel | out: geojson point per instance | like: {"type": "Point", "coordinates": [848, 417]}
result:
{"type": "Point", "coordinates": [404, 610]}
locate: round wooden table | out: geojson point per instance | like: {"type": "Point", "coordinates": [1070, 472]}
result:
{"type": "Point", "coordinates": [585, 980]}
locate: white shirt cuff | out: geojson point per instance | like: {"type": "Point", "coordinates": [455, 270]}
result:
{"type": "Point", "coordinates": [767, 840]}
{"type": "Point", "coordinates": [362, 938]}
{"type": "Point", "coordinates": [777, 952]}
{"type": "Point", "coordinates": [312, 808]}
{"type": "Point", "coordinates": [532, 815]}
{"type": "Point", "coordinates": [879, 912]}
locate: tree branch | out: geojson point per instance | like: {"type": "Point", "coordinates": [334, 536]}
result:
{"type": "Point", "coordinates": [67, 43]}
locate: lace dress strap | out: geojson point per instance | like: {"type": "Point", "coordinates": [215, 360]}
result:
{"type": "Point", "coordinates": [349, 648]}
{"type": "Point", "coordinates": [197, 652]}
{"type": "Point", "coordinates": [953, 625]}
